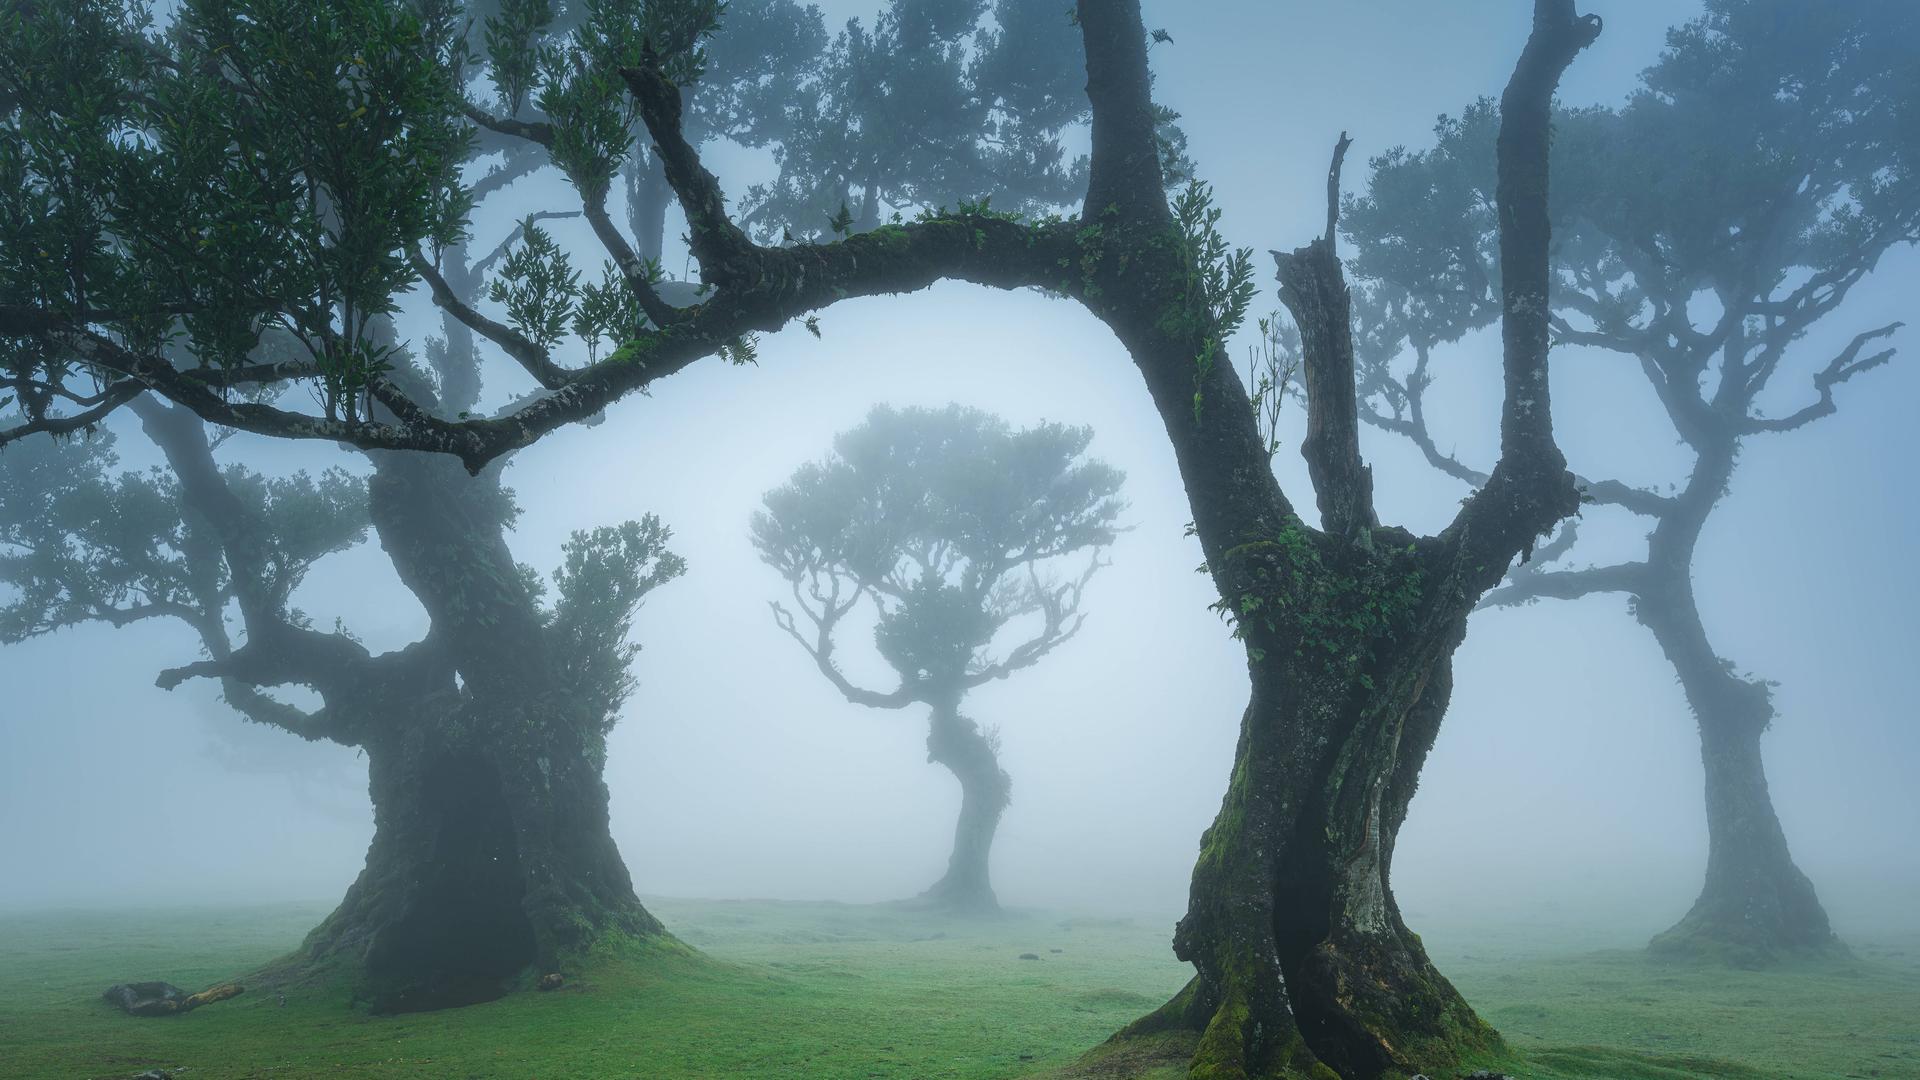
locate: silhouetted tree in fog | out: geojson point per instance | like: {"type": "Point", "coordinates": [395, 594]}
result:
{"type": "Point", "coordinates": [1771, 158]}
{"type": "Point", "coordinates": [951, 524]}
{"type": "Point", "coordinates": [1302, 961]}
{"type": "Point", "coordinates": [484, 740]}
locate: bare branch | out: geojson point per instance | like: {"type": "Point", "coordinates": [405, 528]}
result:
{"type": "Point", "coordinates": [1530, 488]}
{"type": "Point", "coordinates": [821, 650]}
{"type": "Point", "coordinates": [538, 132]}
{"type": "Point", "coordinates": [1842, 367]}
{"type": "Point", "coordinates": [527, 353]}
{"type": "Point", "coordinates": [1529, 586]}
{"type": "Point", "coordinates": [114, 396]}
{"type": "Point", "coordinates": [725, 254]}
{"type": "Point", "coordinates": [1314, 287]}
{"type": "Point", "coordinates": [1125, 173]}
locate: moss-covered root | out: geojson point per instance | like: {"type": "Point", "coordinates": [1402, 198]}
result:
{"type": "Point", "coordinates": [1386, 1009]}
{"type": "Point", "coordinates": [1212, 1040]}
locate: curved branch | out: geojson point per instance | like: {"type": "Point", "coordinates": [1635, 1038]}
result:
{"type": "Point", "coordinates": [527, 353]}
{"type": "Point", "coordinates": [725, 254]}
{"type": "Point", "coordinates": [112, 398]}
{"type": "Point", "coordinates": [1842, 367]}
{"type": "Point", "coordinates": [538, 132]}
{"type": "Point", "coordinates": [1568, 584]}
{"type": "Point", "coordinates": [822, 652]}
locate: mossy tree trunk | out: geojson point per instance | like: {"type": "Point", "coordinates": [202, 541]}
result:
{"type": "Point", "coordinates": [985, 789]}
{"type": "Point", "coordinates": [1304, 967]}
{"type": "Point", "coordinates": [491, 853]}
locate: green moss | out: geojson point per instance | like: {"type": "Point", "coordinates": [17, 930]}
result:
{"type": "Point", "coordinates": [1286, 592]}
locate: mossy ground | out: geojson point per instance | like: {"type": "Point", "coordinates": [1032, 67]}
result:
{"type": "Point", "coordinates": [825, 990]}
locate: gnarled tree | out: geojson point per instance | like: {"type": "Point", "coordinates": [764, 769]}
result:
{"type": "Point", "coordinates": [1302, 960]}
{"type": "Point", "coordinates": [950, 524]}
{"type": "Point", "coordinates": [484, 740]}
{"type": "Point", "coordinates": [1769, 161]}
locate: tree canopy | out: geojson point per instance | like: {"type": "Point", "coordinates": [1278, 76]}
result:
{"type": "Point", "coordinates": [950, 523]}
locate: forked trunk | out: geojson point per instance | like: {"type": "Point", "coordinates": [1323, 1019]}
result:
{"type": "Point", "coordinates": [985, 789]}
{"type": "Point", "coordinates": [1304, 963]}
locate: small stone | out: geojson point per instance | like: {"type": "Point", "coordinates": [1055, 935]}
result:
{"type": "Point", "coordinates": [1056, 950]}
{"type": "Point", "coordinates": [551, 981]}
{"type": "Point", "coordinates": [1028, 956]}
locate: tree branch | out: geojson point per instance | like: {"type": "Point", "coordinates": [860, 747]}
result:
{"type": "Point", "coordinates": [527, 353]}
{"type": "Point", "coordinates": [1530, 488]}
{"type": "Point", "coordinates": [1842, 367]}
{"type": "Point", "coordinates": [1124, 168]}
{"type": "Point", "coordinates": [822, 653]}
{"type": "Point", "coordinates": [632, 268]}
{"type": "Point", "coordinates": [1526, 587]}
{"type": "Point", "coordinates": [1313, 286]}
{"type": "Point", "coordinates": [725, 254]}
{"type": "Point", "coordinates": [538, 132]}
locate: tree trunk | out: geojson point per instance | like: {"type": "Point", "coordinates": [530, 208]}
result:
{"type": "Point", "coordinates": [985, 789]}
{"type": "Point", "coordinates": [1756, 904]}
{"type": "Point", "coordinates": [491, 855]}
{"type": "Point", "coordinates": [490, 860]}
{"type": "Point", "coordinates": [1305, 967]}
{"type": "Point", "coordinates": [647, 197]}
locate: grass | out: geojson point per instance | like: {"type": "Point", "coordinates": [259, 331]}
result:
{"type": "Point", "coordinates": [825, 990]}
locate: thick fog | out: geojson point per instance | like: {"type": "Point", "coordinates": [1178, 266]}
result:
{"type": "Point", "coordinates": [1566, 784]}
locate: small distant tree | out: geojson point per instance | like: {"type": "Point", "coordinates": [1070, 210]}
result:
{"type": "Point", "coordinates": [1702, 229]}
{"type": "Point", "coordinates": [951, 525]}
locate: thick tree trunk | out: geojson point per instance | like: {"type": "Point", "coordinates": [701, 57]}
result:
{"type": "Point", "coordinates": [490, 861]}
{"type": "Point", "coordinates": [491, 856]}
{"type": "Point", "coordinates": [1305, 967]}
{"type": "Point", "coordinates": [985, 789]}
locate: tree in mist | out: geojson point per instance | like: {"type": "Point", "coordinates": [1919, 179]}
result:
{"type": "Point", "coordinates": [948, 522]}
{"type": "Point", "coordinates": [354, 159]}
{"type": "Point", "coordinates": [1703, 229]}
{"type": "Point", "coordinates": [484, 740]}
{"type": "Point", "coordinates": [1303, 962]}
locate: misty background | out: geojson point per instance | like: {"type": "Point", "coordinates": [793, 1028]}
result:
{"type": "Point", "coordinates": [1566, 784]}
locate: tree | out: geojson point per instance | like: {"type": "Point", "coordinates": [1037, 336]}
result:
{"type": "Point", "coordinates": [1763, 169]}
{"type": "Point", "coordinates": [947, 521]}
{"type": "Point", "coordinates": [484, 740]}
{"type": "Point", "coordinates": [348, 128]}
{"type": "Point", "coordinates": [1302, 959]}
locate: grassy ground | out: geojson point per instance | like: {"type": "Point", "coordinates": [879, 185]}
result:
{"type": "Point", "coordinates": [823, 990]}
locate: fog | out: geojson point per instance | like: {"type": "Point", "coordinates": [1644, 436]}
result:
{"type": "Point", "coordinates": [1566, 784]}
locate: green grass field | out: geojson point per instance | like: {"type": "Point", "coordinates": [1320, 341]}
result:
{"type": "Point", "coordinates": [827, 990]}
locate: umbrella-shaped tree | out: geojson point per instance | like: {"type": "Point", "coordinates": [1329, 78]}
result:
{"type": "Point", "coordinates": [954, 528]}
